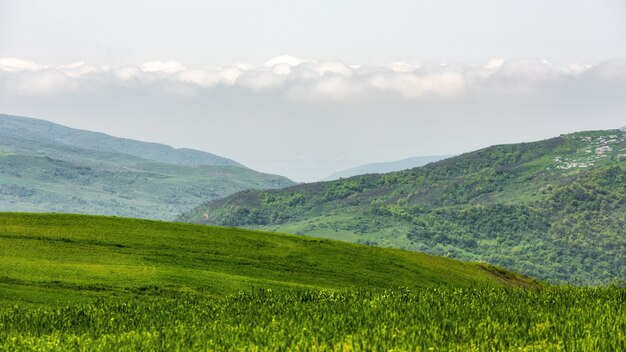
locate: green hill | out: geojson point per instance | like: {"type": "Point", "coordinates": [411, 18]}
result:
{"type": "Point", "coordinates": [45, 167]}
{"type": "Point", "coordinates": [75, 282]}
{"type": "Point", "coordinates": [48, 258]}
{"type": "Point", "coordinates": [553, 209]}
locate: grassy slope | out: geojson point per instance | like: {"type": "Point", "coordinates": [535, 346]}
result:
{"type": "Point", "coordinates": [46, 167]}
{"type": "Point", "coordinates": [171, 286]}
{"type": "Point", "coordinates": [524, 206]}
{"type": "Point", "coordinates": [53, 258]}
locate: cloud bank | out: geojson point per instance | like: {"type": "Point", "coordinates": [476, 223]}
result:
{"type": "Point", "coordinates": [305, 80]}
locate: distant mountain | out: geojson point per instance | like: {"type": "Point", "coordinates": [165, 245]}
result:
{"type": "Point", "coordinates": [553, 209]}
{"type": "Point", "coordinates": [28, 129]}
{"type": "Point", "coordinates": [385, 167]}
{"type": "Point", "coordinates": [45, 167]}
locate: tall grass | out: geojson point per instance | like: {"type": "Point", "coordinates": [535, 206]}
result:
{"type": "Point", "coordinates": [457, 319]}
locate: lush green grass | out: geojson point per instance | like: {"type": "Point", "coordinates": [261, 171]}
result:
{"type": "Point", "coordinates": [441, 319]}
{"type": "Point", "coordinates": [71, 282]}
{"type": "Point", "coordinates": [46, 258]}
{"type": "Point", "coordinates": [553, 209]}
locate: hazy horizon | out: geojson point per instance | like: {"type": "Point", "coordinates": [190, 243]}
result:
{"type": "Point", "coordinates": [306, 90]}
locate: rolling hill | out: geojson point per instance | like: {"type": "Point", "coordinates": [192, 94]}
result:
{"type": "Point", "coordinates": [48, 258]}
{"type": "Point", "coordinates": [45, 167]}
{"type": "Point", "coordinates": [386, 167]}
{"type": "Point", "coordinates": [76, 282]}
{"type": "Point", "coordinates": [552, 209]}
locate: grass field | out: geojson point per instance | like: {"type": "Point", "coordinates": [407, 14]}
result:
{"type": "Point", "coordinates": [439, 319]}
{"type": "Point", "coordinates": [70, 282]}
{"type": "Point", "coordinates": [49, 257]}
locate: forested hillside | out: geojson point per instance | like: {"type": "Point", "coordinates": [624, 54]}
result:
{"type": "Point", "coordinates": [553, 209]}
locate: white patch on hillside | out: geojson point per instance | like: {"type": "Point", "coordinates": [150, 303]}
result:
{"type": "Point", "coordinates": [596, 149]}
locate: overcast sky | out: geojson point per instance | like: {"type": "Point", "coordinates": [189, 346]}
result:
{"type": "Point", "coordinates": [307, 89]}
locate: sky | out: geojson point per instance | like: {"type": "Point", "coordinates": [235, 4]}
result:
{"type": "Point", "coordinates": [305, 89]}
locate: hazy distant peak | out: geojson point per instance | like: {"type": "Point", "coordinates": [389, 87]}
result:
{"type": "Point", "coordinates": [384, 167]}
{"type": "Point", "coordinates": [41, 130]}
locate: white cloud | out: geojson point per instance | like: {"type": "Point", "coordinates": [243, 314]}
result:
{"type": "Point", "coordinates": [287, 60]}
{"type": "Point", "coordinates": [77, 69]}
{"type": "Point", "coordinates": [494, 63]}
{"type": "Point", "coordinates": [402, 67]}
{"type": "Point", "coordinates": [260, 79]}
{"type": "Point", "coordinates": [331, 88]}
{"type": "Point", "coordinates": [612, 70]}
{"type": "Point", "coordinates": [209, 78]}
{"type": "Point", "coordinates": [409, 85]}
{"type": "Point", "coordinates": [333, 68]}
{"type": "Point", "coordinates": [126, 73]}
{"type": "Point", "coordinates": [162, 66]}
{"type": "Point", "coordinates": [299, 79]}
{"type": "Point", "coordinates": [46, 82]}
{"type": "Point", "coordinates": [11, 64]}
{"type": "Point", "coordinates": [281, 69]}
{"type": "Point", "coordinates": [524, 77]}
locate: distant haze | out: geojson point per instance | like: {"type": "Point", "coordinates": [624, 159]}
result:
{"type": "Point", "coordinates": [307, 89]}
{"type": "Point", "coordinates": [384, 167]}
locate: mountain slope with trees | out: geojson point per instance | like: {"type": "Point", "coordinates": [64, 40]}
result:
{"type": "Point", "coordinates": [553, 209]}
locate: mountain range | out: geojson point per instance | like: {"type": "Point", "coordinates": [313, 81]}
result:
{"type": "Point", "coordinates": [46, 167]}
{"type": "Point", "coordinates": [553, 209]}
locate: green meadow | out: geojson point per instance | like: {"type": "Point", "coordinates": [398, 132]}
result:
{"type": "Point", "coordinates": [78, 283]}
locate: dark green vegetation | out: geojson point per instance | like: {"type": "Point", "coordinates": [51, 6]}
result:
{"type": "Point", "coordinates": [440, 319]}
{"type": "Point", "coordinates": [554, 209]}
{"type": "Point", "coordinates": [70, 282]}
{"type": "Point", "coordinates": [46, 167]}
{"type": "Point", "coordinates": [385, 167]}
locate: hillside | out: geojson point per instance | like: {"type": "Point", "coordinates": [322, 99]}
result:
{"type": "Point", "coordinates": [45, 167]}
{"type": "Point", "coordinates": [385, 167]}
{"type": "Point", "coordinates": [72, 282]}
{"type": "Point", "coordinates": [553, 209]}
{"type": "Point", "coordinates": [33, 134]}
{"type": "Point", "coordinates": [48, 257]}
